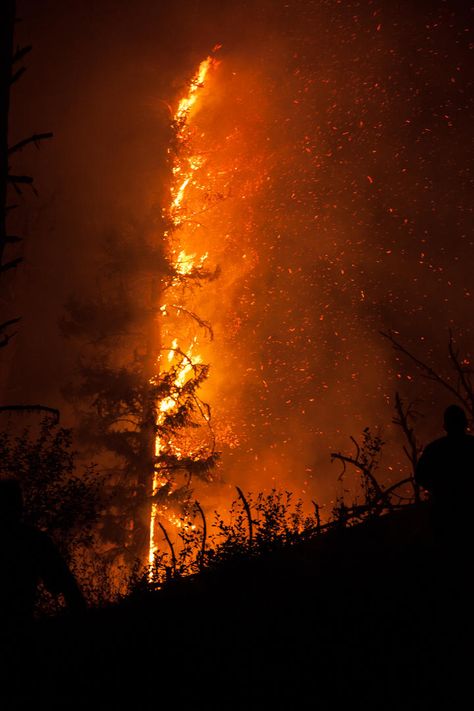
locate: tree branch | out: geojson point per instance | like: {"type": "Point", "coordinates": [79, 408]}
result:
{"type": "Point", "coordinates": [204, 324]}
{"type": "Point", "coordinates": [18, 74]}
{"type": "Point", "coordinates": [12, 239]}
{"type": "Point", "coordinates": [20, 179]}
{"type": "Point", "coordinates": [35, 138]}
{"type": "Point", "coordinates": [428, 370]}
{"type": "Point", "coordinates": [401, 420]}
{"type": "Point", "coordinates": [32, 408]}
{"type": "Point", "coordinates": [11, 322]}
{"type": "Point", "coordinates": [356, 463]}
{"type": "Point", "coordinates": [21, 52]}
{"type": "Point", "coordinates": [171, 547]}
{"type": "Point", "coordinates": [204, 535]}
{"type": "Point", "coordinates": [11, 264]}
{"type": "Point", "coordinates": [248, 512]}
{"type": "Point", "coordinates": [462, 372]}
{"type": "Point", "coordinates": [6, 337]}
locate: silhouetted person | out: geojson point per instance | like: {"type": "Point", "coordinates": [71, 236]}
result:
{"type": "Point", "coordinates": [27, 556]}
{"type": "Point", "coordinates": [446, 470]}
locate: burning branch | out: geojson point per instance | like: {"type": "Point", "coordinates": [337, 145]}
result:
{"type": "Point", "coordinates": [203, 324]}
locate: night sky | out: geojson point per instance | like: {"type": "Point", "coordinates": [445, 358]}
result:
{"type": "Point", "coordinates": [344, 134]}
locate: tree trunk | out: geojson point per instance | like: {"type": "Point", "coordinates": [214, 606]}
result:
{"type": "Point", "coordinates": [146, 458]}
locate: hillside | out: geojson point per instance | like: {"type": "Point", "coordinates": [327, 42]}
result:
{"type": "Point", "coordinates": [362, 617]}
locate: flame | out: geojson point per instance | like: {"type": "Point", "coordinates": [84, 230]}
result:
{"type": "Point", "coordinates": [188, 101]}
{"type": "Point", "coordinates": [184, 263]}
{"type": "Point", "coordinates": [182, 360]}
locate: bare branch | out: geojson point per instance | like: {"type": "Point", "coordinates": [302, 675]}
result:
{"type": "Point", "coordinates": [6, 337]}
{"type": "Point", "coordinates": [21, 52]}
{"type": "Point", "coordinates": [17, 180]}
{"type": "Point", "coordinates": [35, 138]}
{"type": "Point", "coordinates": [204, 535]}
{"type": "Point", "coordinates": [462, 372]}
{"type": "Point", "coordinates": [23, 179]}
{"type": "Point", "coordinates": [171, 547]}
{"type": "Point", "coordinates": [317, 513]}
{"type": "Point", "coordinates": [32, 408]}
{"type": "Point", "coordinates": [11, 265]}
{"type": "Point", "coordinates": [402, 420]}
{"type": "Point", "coordinates": [391, 489]}
{"type": "Point", "coordinates": [17, 75]}
{"type": "Point", "coordinates": [357, 446]}
{"type": "Point", "coordinates": [427, 370]}
{"type": "Point", "coordinates": [359, 465]}
{"type": "Point", "coordinates": [248, 512]}
{"type": "Point", "coordinates": [11, 322]}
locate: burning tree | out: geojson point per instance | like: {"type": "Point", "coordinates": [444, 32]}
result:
{"type": "Point", "coordinates": [122, 394]}
{"type": "Point", "coordinates": [183, 372]}
{"type": "Point", "coordinates": [143, 403]}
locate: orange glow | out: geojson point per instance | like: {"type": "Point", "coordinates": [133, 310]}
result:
{"type": "Point", "coordinates": [183, 361]}
{"type": "Point", "coordinates": [188, 101]}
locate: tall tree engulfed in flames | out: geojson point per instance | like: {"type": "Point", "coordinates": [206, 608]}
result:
{"type": "Point", "coordinates": [180, 411]}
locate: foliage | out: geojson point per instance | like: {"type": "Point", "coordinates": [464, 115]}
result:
{"type": "Point", "coordinates": [57, 499]}
{"type": "Point", "coordinates": [377, 498]}
{"type": "Point", "coordinates": [254, 527]}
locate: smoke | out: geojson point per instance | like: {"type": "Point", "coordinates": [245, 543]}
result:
{"type": "Point", "coordinates": [337, 136]}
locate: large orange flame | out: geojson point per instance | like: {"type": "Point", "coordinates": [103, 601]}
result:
{"type": "Point", "coordinates": [184, 174]}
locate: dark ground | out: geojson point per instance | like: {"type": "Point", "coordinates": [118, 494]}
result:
{"type": "Point", "coordinates": [366, 618]}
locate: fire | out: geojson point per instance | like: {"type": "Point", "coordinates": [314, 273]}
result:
{"type": "Point", "coordinates": [182, 361]}
{"type": "Point", "coordinates": [188, 101]}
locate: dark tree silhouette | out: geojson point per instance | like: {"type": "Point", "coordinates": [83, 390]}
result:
{"type": "Point", "coordinates": [379, 497]}
{"type": "Point", "coordinates": [11, 70]}
{"type": "Point", "coordinates": [118, 390]}
{"type": "Point", "coordinates": [57, 499]}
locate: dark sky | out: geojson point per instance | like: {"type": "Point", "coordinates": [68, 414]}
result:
{"type": "Point", "coordinates": [358, 115]}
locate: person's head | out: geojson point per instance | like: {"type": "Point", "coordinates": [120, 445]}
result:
{"type": "Point", "coordinates": [11, 501]}
{"type": "Point", "coordinates": [455, 420]}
